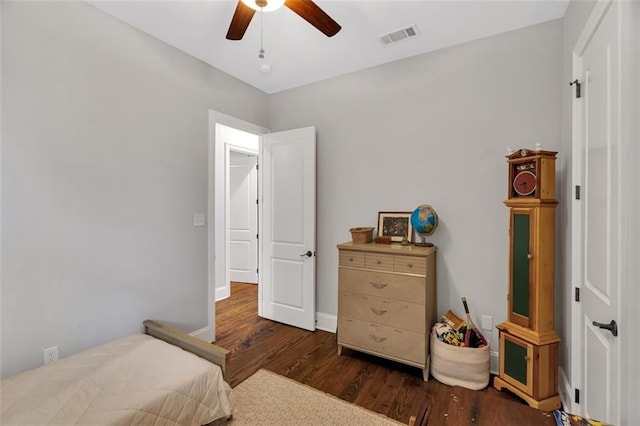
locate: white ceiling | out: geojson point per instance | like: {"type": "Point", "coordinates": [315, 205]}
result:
{"type": "Point", "coordinates": [299, 54]}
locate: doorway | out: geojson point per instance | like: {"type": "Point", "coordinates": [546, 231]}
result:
{"type": "Point", "coordinates": [244, 135]}
{"type": "Point", "coordinates": [286, 253]}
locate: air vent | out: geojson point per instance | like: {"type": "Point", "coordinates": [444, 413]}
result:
{"type": "Point", "coordinates": [401, 34]}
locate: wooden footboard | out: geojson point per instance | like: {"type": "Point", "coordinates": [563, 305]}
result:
{"type": "Point", "coordinates": [208, 351]}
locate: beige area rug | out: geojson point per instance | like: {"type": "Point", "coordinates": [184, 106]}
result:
{"type": "Point", "coordinates": [267, 398]}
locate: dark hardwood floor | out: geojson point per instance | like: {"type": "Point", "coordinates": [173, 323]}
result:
{"type": "Point", "coordinates": [389, 388]}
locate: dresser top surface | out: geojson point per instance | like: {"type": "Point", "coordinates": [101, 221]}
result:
{"type": "Point", "coordinates": [394, 248]}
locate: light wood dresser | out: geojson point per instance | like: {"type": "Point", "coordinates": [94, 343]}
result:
{"type": "Point", "coordinates": [387, 301]}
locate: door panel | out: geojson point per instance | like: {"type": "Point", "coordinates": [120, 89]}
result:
{"type": "Point", "coordinates": [599, 353]}
{"type": "Point", "coordinates": [601, 221]}
{"type": "Point", "coordinates": [243, 220]}
{"type": "Point", "coordinates": [288, 182]}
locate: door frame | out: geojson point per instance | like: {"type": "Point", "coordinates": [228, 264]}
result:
{"type": "Point", "coordinates": [217, 262]}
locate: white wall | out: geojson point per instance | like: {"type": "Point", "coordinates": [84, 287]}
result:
{"type": "Point", "coordinates": [432, 129]}
{"type": "Point", "coordinates": [104, 162]}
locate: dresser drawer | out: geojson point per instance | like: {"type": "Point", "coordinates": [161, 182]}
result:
{"type": "Point", "coordinates": [410, 265]}
{"type": "Point", "coordinates": [382, 262]}
{"type": "Point", "coordinates": [381, 284]}
{"type": "Point", "coordinates": [384, 340]}
{"type": "Point", "coordinates": [405, 315]}
{"type": "Point", "coordinates": [351, 258]}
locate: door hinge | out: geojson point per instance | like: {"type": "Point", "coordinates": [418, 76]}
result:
{"type": "Point", "coordinates": [257, 236]}
{"type": "Point", "coordinates": [256, 270]}
{"type": "Point", "coordinates": [577, 192]}
{"type": "Point", "coordinates": [577, 396]}
{"type": "Point", "coordinates": [577, 294]}
{"type": "Point", "coordinates": [578, 85]}
{"type": "Point", "coordinates": [257, 166]}
{"type": "Point", "coordinates": [257, 202]}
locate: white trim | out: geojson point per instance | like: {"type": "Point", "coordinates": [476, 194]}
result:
{"type": "Point", "coordinates": [242, 149]}
{"type": "Point", "coordinates": [217, 258]}
{"type": "Point", "coordinates": [597, 15]}
{"type": "Point", "coordinates": [494, 362]}
{"type": "Point", "coordinates": [576, 225]}
{"type": "Point", "coordinates": [204, 333]}
{"type": "Point", "coordinates": [222, 293]}
{"type": "Point", "coordinates": [566, 391]}
{"type": "Point", "coordinates": [326, 322]}
{"type": "Point", "coordinates": [629, 18]}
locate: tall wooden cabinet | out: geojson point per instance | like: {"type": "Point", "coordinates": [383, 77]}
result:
{"type": "Point", "coordinates": [528, 342]}
{"type": "Point", "coordinates": [387, 301]}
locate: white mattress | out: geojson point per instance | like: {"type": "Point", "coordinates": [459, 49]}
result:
{"type": "Point", "coordinates": [134, 380]}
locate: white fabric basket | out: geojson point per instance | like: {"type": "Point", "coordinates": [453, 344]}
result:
{"type": "Point", "coordinates": [459, 366]}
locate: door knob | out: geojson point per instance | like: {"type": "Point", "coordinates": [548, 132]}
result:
{"type": "Point", "coordinates": [612, 327]}
{"type": "Point", "coordinates": [308, 254]}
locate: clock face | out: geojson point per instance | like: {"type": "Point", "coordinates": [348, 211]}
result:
{"type": "Point", "coordinates": [524, 183]}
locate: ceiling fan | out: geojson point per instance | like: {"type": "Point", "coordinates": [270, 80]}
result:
{"type": "Point", "coordinates": [306, 9]}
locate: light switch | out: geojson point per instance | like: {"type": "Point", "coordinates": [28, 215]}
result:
{"type": "Point", "coordinates": [487, 322]}
{"type": "Point", "coordinates": [198, 219]}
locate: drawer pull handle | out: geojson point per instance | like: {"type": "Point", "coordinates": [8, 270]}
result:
{"type": "Point", "coordinates": [351, 259]}
{"type": "Point", "coordinates": [378, 262]}
{"type": "Point", "coordinates": [378, 311]}
{"type": "Point", "coordinates": [379, 286]}
{"type": "Point", "coordinates": [378, 339]}
{"type": "Point", "coordinates": [410, 265]}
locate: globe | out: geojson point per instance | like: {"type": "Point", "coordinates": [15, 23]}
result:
{"type": "Point", "coordinates": [424, 221]}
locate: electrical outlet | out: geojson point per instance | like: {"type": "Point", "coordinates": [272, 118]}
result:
{"type": "Point", "coordinates": [50, 355]}
{"type": "Point", "coordinates": [487, 322]}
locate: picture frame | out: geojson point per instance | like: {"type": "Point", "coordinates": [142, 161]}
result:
{"type": "Point", "coordinates": [395, 225]}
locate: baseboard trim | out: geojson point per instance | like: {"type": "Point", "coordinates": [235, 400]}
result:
{"type": "Point", "coordinates": [326, 322]}
{"type": "Point", "coordinates": [223, 293]}
{"type": "Point", "coordinates": [204, 334]}
{"type": "Point", "coordinates": [494, 362]}
{"type": "Point", "coordinates": [565, 391]}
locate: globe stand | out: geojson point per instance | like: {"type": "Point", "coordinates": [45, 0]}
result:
{"type": "Point", "coordinates": [423, 243]}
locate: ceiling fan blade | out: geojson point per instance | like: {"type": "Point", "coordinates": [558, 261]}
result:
{"type": "Point", "coordinates": [310, 12]}
{"type": "Point", "coordinates": [240, 21]}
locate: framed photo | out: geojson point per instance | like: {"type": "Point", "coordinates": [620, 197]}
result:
{"type": "Point", "coordinates": [396, 225]}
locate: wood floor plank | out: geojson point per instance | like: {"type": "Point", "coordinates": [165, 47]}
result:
{"type": "Point", "coordinates": [395, 390]}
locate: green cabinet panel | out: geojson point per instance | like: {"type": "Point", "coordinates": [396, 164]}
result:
{"type": "Point", "coordinates": [515, 363]}
{"type": "Point", "coordinates": [520, 250]}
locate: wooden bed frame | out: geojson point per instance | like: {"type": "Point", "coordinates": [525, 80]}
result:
{"type": "Point", "coordinates": [212, 353]}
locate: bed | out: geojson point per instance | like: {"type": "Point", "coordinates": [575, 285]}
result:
{"type": "Point", "coordinates": [162, 377]}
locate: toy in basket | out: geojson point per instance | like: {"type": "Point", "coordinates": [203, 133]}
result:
{"type": "Point", "coordinates": [459, 352]}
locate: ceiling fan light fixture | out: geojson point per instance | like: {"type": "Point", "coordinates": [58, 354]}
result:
{"type": "Point", "coordinates": [264, 5]}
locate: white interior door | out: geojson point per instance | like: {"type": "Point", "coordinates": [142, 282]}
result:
{"type": "Point", "coordinates": [602, 225]}
{"type": "Point", "coordinates": [288, 227]}
{"type": "Point", "coordinates": [243, 218]}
